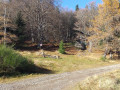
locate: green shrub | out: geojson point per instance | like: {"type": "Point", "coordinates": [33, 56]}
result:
{"type": "Point", "coordinates": [103, 58]}
{"type": "Point", "coordinates": [101, 42]}
{"type": "Point", "coordinates": [61, 47]}
{"type": "Point", "coordinates": [10, 61]}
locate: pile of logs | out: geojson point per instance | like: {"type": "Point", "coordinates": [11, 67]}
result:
{"type": "Point", "coordinates": [50, 56]}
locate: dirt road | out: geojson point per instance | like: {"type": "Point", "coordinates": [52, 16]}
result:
{"type": "Point", "coordinates": [56, 81]}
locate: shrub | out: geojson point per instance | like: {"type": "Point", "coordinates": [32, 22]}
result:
{"type": "Point", "coordinates": [101, 42]}
{"type": "Point", "coordinates": [103, 58]}
{"type": "Point", "coordinates": [61, 47]}
{"type": "Point", "coordinates": [10, 61]}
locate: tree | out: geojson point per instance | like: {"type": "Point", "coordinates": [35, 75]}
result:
{"type": "Point", "coordinates": [61, 47]}
{"type": "Point", "coordinates": [115, 40]}
{"type": "Point", "coordinates": [20, 28]}
{"type": "Point", "coordinates": [43, 24]}
{"type": "Point", "coordinates": [77, 7]}
{"type": "Point", "coordinates": [84, 22]}
{"type": "Point", "coordinates": [68, 20]}
{"type": "Point", "coordinates": [6, 24]}
{"type": "Point", "coordinates": [105, 24]}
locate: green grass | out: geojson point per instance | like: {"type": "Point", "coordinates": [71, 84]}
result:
{"type": "Point", "coordinates": [108, 81]}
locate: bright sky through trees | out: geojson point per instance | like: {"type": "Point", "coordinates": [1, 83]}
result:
{"type": "Point", "coordinates": [82, 3]}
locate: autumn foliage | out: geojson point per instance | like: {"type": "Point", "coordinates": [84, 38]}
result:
{"type": "Point", "coordinates": [104, 27]}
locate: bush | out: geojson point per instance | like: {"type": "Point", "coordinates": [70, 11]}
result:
{"type": "Point", "coordinates": [10, 61]}
{"type": "Point", "coordinates": [103, 58]}
{"type": "Point", "coordinates": [100, 42]}
{"type": "Point", "coordinates": [61, 47]}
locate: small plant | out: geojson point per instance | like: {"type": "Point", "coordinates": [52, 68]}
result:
{"type": "Point", "coordinates": [101, 42]}
{"type": "Point", "coordinates": [61, 47]}
{"type": "Point", "coordinates": [103, 58]}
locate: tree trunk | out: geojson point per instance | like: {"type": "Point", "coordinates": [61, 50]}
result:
{"type": "Point", "coordinates": [32, 34]}
{"type": "Point", "coordinates": [118, 54]}
{"type": "Point", "coordinates": [104, 55]}
{"type": "Point", "coordinates": [90, 46]}
{"type": "Point", "coordinates": [5, 25]}
{"type": "Point", "coordinates": [111, 55]}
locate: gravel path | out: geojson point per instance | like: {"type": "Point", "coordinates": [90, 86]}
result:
{"type": "Point", "coordinates": [57, 81]}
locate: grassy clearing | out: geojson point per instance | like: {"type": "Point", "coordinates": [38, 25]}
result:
{"type": "Point", "coordinates": [108, 81]}
{"type": "Point", "coordinates": [71, 61]}
{"type": "Point", "coordinates": [68, 63]}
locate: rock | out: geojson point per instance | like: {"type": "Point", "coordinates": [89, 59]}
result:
{"type": "Point", "coordinates": [81, 45]}
{"type": "Point", "coordinates": [51, 56]}
{"type": "Point", "coordinates": [56, 57]}
{"type": "Point", "coordinates": [37, 53]}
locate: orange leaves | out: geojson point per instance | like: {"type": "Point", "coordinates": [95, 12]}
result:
{"type": "Point", "coordinates": [108, 9]}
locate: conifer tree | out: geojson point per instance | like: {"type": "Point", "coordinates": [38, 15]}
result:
{"type": "Point", "coordinates": [20, 23]}
{"type": "Point", "coordinates": [77, 7]}
{"type": "Point", "coordinates": [61, 48]}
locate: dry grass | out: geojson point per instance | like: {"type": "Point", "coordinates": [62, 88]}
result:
{"type": "Point", "coordinates": [66, 63]}
{"type": "Point", "coordinates": [108, 81]}
{"type": "Point", "coordinates": [19, 77]}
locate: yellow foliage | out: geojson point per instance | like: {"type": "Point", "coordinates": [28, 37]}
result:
{"type": "Point", "coordinates": [101, 26]}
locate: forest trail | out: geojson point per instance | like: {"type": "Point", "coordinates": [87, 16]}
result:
{"type": "Point", "coordinates": [56, 81]}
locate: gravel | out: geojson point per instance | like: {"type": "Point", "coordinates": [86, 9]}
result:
{"type": "Point", "coordinates": [56, 81]}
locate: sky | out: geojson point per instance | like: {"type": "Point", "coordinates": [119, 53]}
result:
{"type": "Point", "coordinates": [71, 4]}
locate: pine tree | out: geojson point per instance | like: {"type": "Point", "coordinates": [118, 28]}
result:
{"type": "Point", "coordinates": [77, 7]}
{"type": "Point", "coordinates": [20, 23]}
{"type": "Point", "coordinates": [61, 47]}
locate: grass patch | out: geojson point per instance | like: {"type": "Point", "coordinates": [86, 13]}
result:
{"type": "Point", "coordinates": [8, 79]}
{"type": "Point", "coordinates": [103, 58]}
{"type": "Point", "coordinates": [67, 63]}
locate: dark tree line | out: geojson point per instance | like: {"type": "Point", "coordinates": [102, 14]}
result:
{"type": "Point", "coordinates": [42, 21]}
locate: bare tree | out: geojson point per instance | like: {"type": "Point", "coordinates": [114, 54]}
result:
{"type": "Point", "coordinates": [84, 23]}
